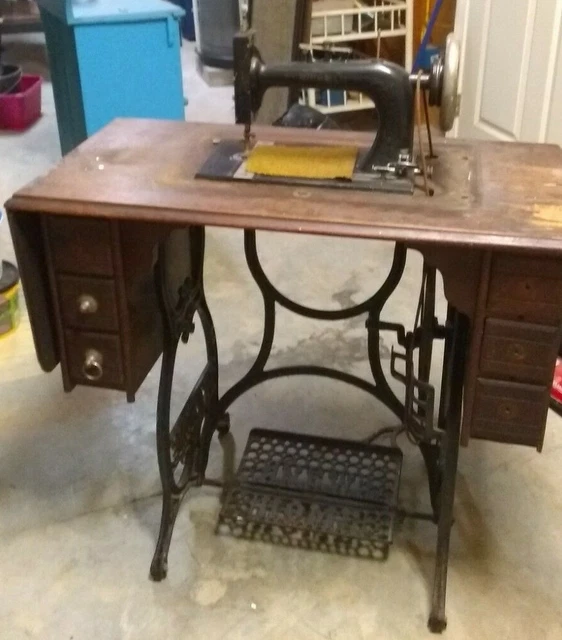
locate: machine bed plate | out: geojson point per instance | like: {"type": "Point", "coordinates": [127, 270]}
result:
{"type": "Point", "coordinates": [227, 162]}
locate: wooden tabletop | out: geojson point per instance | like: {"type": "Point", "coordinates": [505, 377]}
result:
{"type": "Point", "coordinates": [489, 194]}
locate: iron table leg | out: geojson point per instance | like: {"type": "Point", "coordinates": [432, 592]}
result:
{"type": "Point", "coordinates": [456, 365]}
{"type": "Point", "coordinates": [183, 446]}
{"type": "Point", "coordinates": [170, 500]}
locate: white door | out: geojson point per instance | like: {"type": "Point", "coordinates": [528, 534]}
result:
{"type": "Point", "coordinates": [511, 70]}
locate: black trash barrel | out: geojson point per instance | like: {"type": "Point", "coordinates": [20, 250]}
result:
{"type": "Point", "coordinates": [218, 21]}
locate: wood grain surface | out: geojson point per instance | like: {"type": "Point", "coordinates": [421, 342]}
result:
{"type": "Point", "coordinates": [495, 194]}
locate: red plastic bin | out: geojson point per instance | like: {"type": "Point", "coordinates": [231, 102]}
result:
{"type": "Point", "coordinates": [22, 108]}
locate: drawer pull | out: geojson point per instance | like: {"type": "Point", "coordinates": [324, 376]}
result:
{"type": "Point", "coordinates": [93, 365]}
{"type": "Point", "coordinates": [87, 304]}
{"type": "Point", "coordinates": [510, 412]}
{"type": "Point", "coordinates": [518, 352]}
{"type": "Point", "coordinates": [507, 412]}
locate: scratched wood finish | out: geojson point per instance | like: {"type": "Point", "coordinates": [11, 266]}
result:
{"type": "Point", "coordinates": [32, 264]}
{"type": "Point", "coordinates": [493, 229]}
{"type": "Point", "coordinates": [63, 258]}
{"type": "Point", "coordinates": [80, 246]}
{"type": "Point", "coordinates": [519, 351]}
{"type": "Point", "coordinates": [526, 289]}
{"type": "Point", "coordinates": [78, 343]}
{"type": "Point", "coordinates": [104, 317]}
{"type": "Point", "coordinates": [510, 412]}
{"type": "Point", "coordinates": [144, 170]}
{"type": "Point", "coordinates": [515, 338]}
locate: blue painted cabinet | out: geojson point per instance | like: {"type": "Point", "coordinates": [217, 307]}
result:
{"type": "Point", "coordinates": [112, 58]}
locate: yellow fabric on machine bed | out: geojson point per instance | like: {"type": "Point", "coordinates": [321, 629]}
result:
{"type": "Point", "coordinates": [294, 161]}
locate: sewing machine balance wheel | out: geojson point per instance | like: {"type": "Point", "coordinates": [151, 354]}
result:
{"type": "Point", "coordinates": [450, 83]}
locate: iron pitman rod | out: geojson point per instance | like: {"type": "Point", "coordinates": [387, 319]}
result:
{"type": "Point", "coordinates": [183, 447]}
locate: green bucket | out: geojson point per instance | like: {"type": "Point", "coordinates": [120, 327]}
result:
{"type": "Point", "coordinates": [9, 298]}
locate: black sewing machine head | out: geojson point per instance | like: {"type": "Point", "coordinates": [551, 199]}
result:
{"type": "Point", "coordinates": [390, 163]}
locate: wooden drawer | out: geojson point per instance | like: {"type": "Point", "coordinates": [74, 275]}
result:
{"type": "Point", "coordinates": [94, 359]}
{"type": "Point", "coordinates": [510, 412]}
{"type": "Point", "coordinates": [88, 303]}
{"type": "Point", "coordinates": [526, 290]}
{"type": "Point", "coordinates": [519, 351]}
{"type": "Point", "coordinates": [80, 246]}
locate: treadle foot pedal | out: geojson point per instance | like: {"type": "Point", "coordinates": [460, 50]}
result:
{"type": "Point", "coordinates": [323, 494]}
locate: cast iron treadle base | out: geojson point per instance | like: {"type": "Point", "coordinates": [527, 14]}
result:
{"type": "Point", "coordinates": [315, 493]}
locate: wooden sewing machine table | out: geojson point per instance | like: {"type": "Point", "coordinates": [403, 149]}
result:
{"type": "Point", "coordinates": [110, 246]}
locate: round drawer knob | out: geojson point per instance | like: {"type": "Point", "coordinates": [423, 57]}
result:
{"type": "Point", "coordinates": [93, 365]}
{"type": "Point", "coordinates": [87, 304]}
{"type": "Point", "coordinates": [518, 352]}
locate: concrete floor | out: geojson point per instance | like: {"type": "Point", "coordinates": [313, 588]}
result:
{"type": "Point", "coordinates": [79, 484]}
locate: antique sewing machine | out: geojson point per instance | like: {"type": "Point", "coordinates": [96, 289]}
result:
{"type": "Point", "coordinates": [111, 248]}
{"type": "Point", "coordinates": [390, 164]}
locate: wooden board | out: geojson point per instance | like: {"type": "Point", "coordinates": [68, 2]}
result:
{"type": "Point", "coordinates": [145, 170]}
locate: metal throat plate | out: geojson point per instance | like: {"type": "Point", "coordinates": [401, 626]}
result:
{"type": "Point", "coordinates": [316, 493]}
{"type": "Point", "coordinates": [227, 162]}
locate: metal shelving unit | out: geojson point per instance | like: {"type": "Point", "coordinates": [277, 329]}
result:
{"type": "Point", "coordinates": [341, 23]}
